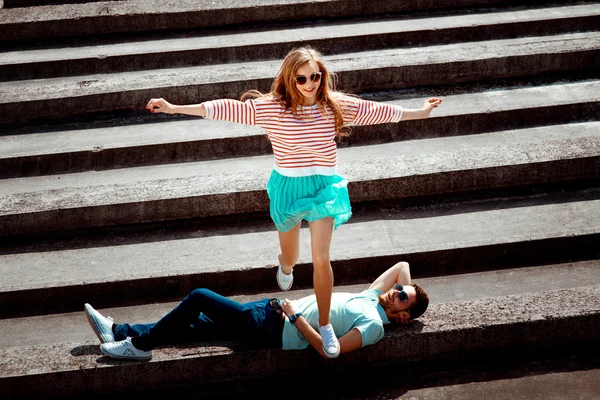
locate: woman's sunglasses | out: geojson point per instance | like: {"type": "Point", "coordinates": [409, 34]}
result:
{"type": "Point", "coordinates": [301, 79]}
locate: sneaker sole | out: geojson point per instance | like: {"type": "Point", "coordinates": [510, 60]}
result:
{"type": "Point", "coordinates": [331, 355]}
{"type": "Point", "coordinates": [94, 327]}
{"type": "Point", "coordinates": [117, 357]}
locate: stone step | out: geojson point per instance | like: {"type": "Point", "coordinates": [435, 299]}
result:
{"type": "Point", "coordinates": [73, 327]}
{"type": "Point", "coordinates": [76, 148]}
{"type": "Point", "coordinates": [549, 373]}
{"type": "Point", "coordinates": [484, 311]}
{"type": "Point", "coordinates": [164, 265]}
{"type": "Point", "coordinates": [535, 156]}
{"type": "Point", "coordinates": [546, 372]}
{"type": "Point", "coordinates": [33, 3]}
{"type": "Point", "coordinates": [31, 100]}
{"type": "Point", "coordinates": [182, 50]}
{"type": "Point", "coordinates": [486, 327]}
{"type": "Point", "coordinates": [112, 17]}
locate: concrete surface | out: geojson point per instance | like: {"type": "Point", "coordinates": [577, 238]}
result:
{"type": "Point", "coordinates": [141, 15]}
{"type": "Point", "coordinates": [33, 3]}
{"type": "Point", "coordinates": [73, 326]}
{"type": "Point", "coordinates": [570, 385]}
{"type": "Point", "coordinates": [494, 313]}
{"type": "Point", "coordinates": [373, 70]}
{"type": "Point", "coordinates": [179, 50]}
{"type": "Point", "coordinates": [446, 330]}
{"type": "Point", "coordinates": [441, 241]}
{"type": "Point", "coordinates": [230, 186]}
{"type": "Point", "coordinates": [540, 375]}
{"type": "Point", "coordinates": [180, 140]}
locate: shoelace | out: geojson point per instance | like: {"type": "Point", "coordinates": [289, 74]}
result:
{"type": "Point", "coordinates": [124, 343]}
{"type": "Point", "coordinates": [327, 335]}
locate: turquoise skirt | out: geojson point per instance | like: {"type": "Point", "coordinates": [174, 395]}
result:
{"type": "Point", "coordinates": [311, 198]}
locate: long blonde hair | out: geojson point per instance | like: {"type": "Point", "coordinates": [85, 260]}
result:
{"type": "Point", "coordinates": [284, 87]}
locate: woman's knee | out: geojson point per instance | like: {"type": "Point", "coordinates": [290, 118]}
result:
{"type": "Point", "coordinates": [321, 261]}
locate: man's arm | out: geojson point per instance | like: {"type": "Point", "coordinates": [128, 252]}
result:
{"type": "Point", "coordinates": [349, 342]}
{"type": "Point", "coordinates": [399, 273]}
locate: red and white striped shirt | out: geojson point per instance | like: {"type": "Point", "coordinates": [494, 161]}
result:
{"type": "Point", "coordinates": [303, 145]}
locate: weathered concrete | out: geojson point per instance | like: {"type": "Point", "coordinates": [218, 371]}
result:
{"type": "Point", "coordinates": [446, 330]}
{"type": "Point", "coordinates": [231, 186]}
{"type": "Point", "coordinates": [542, 374]}
{"type": "Point", "coordinates": [582, 384]}
{"type": "Point", "coordinates": [96, 18]}
{"type": "Point", "coordinates": [145, 266]}
{"type": "Point", "coordinates": [73, 327]}
{"type": "Point", "coordinates": [178, 50]}
{"type": "Point", "coordinates": [33, 3]}
{"type": "Point", "coordinates": [382, 69]}
{"type": "Point", "coordinates": [438, 242]}
{"type": "Point", "coordinates": [176, 140]}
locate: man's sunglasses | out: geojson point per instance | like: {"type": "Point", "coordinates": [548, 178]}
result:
{"type": "Point", "coordinates": [401, 293]}
{"type": "Point", "coordinates": [301, 79]}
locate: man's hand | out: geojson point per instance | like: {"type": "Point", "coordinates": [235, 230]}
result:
{"type": "Point", "coordinates": [403, 318]}
{"type": "Point", "coordinates": [288, 308]}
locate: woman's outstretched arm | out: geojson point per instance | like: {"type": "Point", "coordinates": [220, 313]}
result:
{"type": "Point", "coordinates": [423, 112]}
{"type": "Point", "coordinates": [163, 106]}
{"type": "Point", "coordinates": [366, 112]}
{"type": "Point", "coordinates": [246, 113]}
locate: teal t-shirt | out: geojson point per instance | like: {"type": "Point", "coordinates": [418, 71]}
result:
{"type": "Point", "coordinates": [348, 311]}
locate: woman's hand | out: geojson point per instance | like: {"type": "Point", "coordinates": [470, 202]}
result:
{"type": "Point", "coordinates": [430, 104]}
{"type": "Point", "coordinates": [288, 308]}
{"type": "Point", "coordinates": [160, 106]}
{"type": "Point", "coordinates": [423, 112]}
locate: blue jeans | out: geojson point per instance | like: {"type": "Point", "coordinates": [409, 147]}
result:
{"type": "Point", "coordinates": [205, 314]}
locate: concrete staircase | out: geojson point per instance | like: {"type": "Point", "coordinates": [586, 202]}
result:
{"type": "Point", "coordinates": [494, 200]}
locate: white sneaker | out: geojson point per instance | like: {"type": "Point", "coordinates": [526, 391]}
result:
{"type": "Point", "coordinates": [331, 345]}
{"type": "Point", "coordinates": [284, 281]}
{"type": "Point", "coordinates": [125, 350]}
{"type": "Point", "coordinates": [101, 325]}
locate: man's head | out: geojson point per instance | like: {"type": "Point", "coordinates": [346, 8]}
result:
{"type": "Point", "coordinates": [402, 303]}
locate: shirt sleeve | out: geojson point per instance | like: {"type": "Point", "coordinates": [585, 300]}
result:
{"type": "Point", "coordinates": [366, 112]}
{"type": "Point", "coordinates": [371, 331]}
{"type": "Point", "coordinates": [231, 110]}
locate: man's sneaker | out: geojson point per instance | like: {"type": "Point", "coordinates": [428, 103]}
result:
{"type": "Point", "coordinates": [101, 325]}
{"type": "Point", "coordinates": [331, 345]}
{"type": "Point", "coordinates": [284, 281]}
{"type": "Point", "coordinates": [124, 350]}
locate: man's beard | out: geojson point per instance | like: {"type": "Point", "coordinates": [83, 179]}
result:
{"type": "Point", "coordinates": [385, 305]}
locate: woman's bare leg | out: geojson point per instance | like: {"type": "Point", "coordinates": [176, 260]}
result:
{"type": "Point", "coordinates": [320, 240]}
{"type": "Point", "coordinates": [289, 242]}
